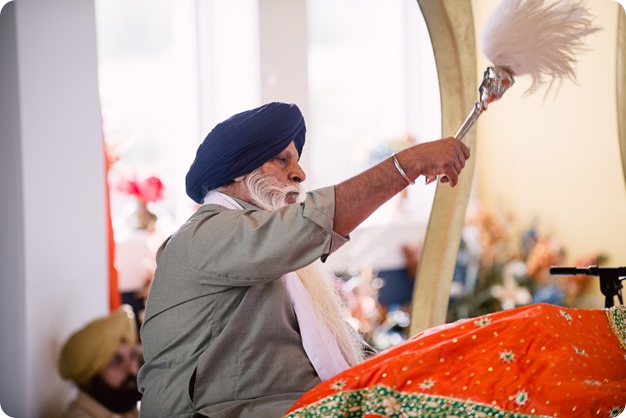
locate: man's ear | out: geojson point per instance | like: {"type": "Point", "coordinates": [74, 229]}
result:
{"type": "Point", "coordinates": [239, 179]}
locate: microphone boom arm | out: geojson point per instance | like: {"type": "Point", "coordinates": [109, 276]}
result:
{"type": "Point", "coordinates": [610, 279]}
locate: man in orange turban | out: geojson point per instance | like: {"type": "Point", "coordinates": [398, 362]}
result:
{"type": "Point", "coordinates": [102, 360]}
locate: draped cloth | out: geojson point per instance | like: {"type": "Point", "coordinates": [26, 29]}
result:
{"type": "Point", "coordinates": [536, 361]}
{"type": "Point", "coordinates": [317, 340]}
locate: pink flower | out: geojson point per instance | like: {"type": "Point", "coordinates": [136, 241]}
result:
{"type": "Point", "coordinates": [151, 189]}
{"type": "Point", "coordinates": [145, 190]}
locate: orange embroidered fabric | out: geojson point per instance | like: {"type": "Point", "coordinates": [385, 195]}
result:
{"type": "Point", "coordinates": [536, 361]}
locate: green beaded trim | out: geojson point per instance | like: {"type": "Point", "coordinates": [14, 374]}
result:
{"type": "Point", "coordinates": [617, 321]}
{"type": "Point", "coordinates": [385, 402]}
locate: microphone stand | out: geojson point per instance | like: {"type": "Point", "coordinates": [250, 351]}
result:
{"type": "Point", "coordinates": [610, 279]}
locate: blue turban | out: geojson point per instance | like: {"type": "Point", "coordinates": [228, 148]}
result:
{"type": "Point", "coordinates": [243, 143]}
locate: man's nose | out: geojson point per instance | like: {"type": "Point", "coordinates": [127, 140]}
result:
{"type": "Point", "coordinates": [297, 174]}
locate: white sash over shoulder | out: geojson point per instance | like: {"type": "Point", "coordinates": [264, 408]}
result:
{"type": "Point", "coordinates": [318, 342]}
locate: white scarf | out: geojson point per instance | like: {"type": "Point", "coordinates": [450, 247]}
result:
{"type": "Point", "coordinates": [318, 342]}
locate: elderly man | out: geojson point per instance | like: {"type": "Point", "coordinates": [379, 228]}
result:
{"type": "Point", "coordinates": [240, 321]}
{"type": "Point", "coordinates": [102, 360]}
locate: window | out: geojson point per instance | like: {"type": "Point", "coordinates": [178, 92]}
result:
{"type": "Point", "coordinates": [372, 83]}
{"type": "Point", "coordinates": [170, 70]}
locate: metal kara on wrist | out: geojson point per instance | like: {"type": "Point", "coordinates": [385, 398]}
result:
{"type": "Point", "coordinates": [400, 170]}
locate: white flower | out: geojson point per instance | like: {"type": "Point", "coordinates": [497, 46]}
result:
{"type": "Point", "coordinates": [338, 385]}
{"type": "Point", "coordinates": [507, 356]}
{"type": "Point", "coordinates": [592, 382]}
{"type": "Point", "coordinates": [521, 398]}
{"type": "Point", "coordinates": [427, 384]}
{"type": "Point", "coordinates": [391, 405]}
{"type": "Point", "coordinates": [510, 293]}
{"type": "Point", "coordinates": [566, 315]}
{"type": "Point", "coordinates": [481, 322]}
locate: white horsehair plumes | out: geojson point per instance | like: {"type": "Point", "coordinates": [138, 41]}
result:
{"type": "Point", "coordinates": [539, 38]}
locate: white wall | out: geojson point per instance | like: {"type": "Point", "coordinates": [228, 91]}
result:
{"type": "Point", "coordinates": [53, 263]}
{"type": "Point", "coordinates": [12, 295]}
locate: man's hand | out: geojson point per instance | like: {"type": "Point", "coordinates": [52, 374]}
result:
{"type": "Point", "coordinates": [431, 159]}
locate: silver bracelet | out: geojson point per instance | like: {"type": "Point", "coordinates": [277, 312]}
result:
{"type": "Point", "coordinates": [400, 170]}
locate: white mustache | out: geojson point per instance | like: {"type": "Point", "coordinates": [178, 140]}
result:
{"type": "Point", "coordinates": [268, 192]}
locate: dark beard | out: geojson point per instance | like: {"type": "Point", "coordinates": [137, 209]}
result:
{"type": "Point", "coordinates": [118, 400]}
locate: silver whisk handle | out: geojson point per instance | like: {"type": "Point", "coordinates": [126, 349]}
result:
{"type": "Point", "coordinates": [469, 121]}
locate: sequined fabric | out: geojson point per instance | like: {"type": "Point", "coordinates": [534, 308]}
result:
{"type": "Point", "coordinates": [536, 361]}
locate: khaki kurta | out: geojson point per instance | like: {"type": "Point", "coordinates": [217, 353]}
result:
{"type": "Point", "coordinates": [220, 336]}
{"type": "Point", "coordinates": [87, 407]}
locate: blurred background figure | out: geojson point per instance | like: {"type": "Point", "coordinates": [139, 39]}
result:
{"type": "Point", "coordinates": [102, 360]}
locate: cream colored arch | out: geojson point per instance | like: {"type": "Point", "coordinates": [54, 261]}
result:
{"type": "Point", "coordinates": [621, 86]}
{"type": "Point", "coordinates": [451, 28]}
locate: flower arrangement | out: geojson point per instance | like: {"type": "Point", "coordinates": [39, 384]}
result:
{"type": "Point", "coordinates": [496, 270]}
{"type": "Point", "coordinates": [148, 189]}
{"type": "Point", "coordinates": [145, 190]}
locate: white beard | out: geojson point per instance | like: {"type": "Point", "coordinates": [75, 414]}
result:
{"type": "Point", "coordinates": [329, 308]}
{"type": "Point", "coordinates": [267, 192]}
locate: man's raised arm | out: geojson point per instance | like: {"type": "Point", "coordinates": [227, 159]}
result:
{"type": "Point", "coordinates": [357, 198]}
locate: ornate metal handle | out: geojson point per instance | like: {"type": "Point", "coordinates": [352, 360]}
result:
{"type": "Point", "coordinates": [496, 81]}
